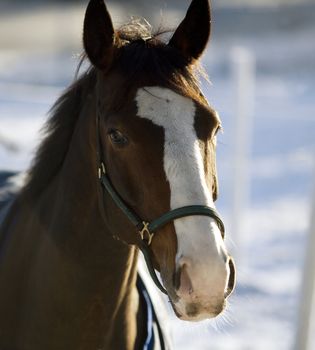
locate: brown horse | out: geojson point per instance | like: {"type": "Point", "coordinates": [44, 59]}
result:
{"type": "Point", "coordinates": [132, 138]}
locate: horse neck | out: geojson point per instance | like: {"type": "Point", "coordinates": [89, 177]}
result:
{"type": "Point", "coordinates": [78, 276]}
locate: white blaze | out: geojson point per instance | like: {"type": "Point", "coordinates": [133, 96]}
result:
{"type": "Point", "coordinates": [198, 237]}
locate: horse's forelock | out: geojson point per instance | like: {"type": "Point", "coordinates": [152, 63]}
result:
{"type": "Point", "coordinates": [137, 29]}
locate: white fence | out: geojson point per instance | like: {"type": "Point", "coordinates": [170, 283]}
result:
{"type": "Point", "coordinates": [243, 76]}
{"type": "Point", "coordinates": [303, 339]}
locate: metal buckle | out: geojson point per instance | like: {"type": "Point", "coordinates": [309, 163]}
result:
{"type": "Point", "coordinates": [145, 233]}
{"type": "Point", "coordinates": [101, 170]}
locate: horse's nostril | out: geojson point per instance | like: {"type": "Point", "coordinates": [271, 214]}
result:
{"type": "Point", "coordinates": [231, 283]}
{"type": "Point", "coordinates": [182, 281]}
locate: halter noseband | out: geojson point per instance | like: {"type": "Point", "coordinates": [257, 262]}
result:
{"type": "Point", "coordinates": [147, 230]}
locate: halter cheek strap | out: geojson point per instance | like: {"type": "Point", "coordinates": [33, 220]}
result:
{"type": "Point", "coordinates": [147, 230]}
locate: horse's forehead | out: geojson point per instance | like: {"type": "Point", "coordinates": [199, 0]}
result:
{"type": "Point", "coordinates": [166, 108]}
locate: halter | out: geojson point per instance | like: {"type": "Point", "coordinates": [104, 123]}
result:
{"type": "Point", "coordinates": [147, 230]}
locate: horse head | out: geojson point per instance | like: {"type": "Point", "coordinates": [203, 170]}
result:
{"type": "Point", "coordinates": [157, 141]}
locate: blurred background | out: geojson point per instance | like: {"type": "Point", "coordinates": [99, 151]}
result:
{"type": "Point", "coordinates": [261, 63]}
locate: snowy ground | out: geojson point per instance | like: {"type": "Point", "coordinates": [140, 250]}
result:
{"type": "Point", "coordinates": [263, 312]}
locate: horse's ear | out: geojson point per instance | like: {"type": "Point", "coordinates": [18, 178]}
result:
{"type": "Point", "coordinates": [192, 35]}
{"type": "Point", "coordinates": [98, 34]}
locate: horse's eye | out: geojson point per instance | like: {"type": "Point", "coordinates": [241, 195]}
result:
{"type": "Point", "coordinates": [117, 137]}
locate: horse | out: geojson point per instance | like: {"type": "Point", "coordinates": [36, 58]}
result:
{"type": "Point", "coordinates": [127, 165]}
